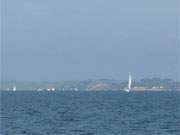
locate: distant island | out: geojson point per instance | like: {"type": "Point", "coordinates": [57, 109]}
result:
{"type": "Point", "coordinates": [151, 84]}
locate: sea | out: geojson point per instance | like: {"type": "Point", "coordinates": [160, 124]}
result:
{"type": "Point", "coordinates": [90, 113]}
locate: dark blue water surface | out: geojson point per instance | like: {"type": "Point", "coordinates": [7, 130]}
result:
{"type": "Point", "coordinates": [90, 113]}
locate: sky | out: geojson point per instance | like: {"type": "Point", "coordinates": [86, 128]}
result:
{"type": "Point", "coordinates": [45, 40]}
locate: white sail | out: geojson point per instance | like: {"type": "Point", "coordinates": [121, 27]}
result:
{"type": "Point", "coordinates": [14, 88]}
{"type": "Point", "coordinates": [130, 82]}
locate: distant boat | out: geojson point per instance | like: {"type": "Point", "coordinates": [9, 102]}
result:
{"type": "Point", "coordinates": [48, 89]}
{"type": "Point", "coordinates": [53, 89]}
{"type": "Point", "coordinates": [129, 84]}
{"type": "Point", "coordinates": [75, 89]}
{"type": "Point", "coordinates": [14, 88]}
{"type": "Point", "coordinates": [39, 89]}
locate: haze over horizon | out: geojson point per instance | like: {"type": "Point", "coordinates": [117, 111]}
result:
{"type": "Point", "coordinates": [78, 40]}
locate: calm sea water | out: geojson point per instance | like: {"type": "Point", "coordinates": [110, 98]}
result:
{"type": "Point", "coordinates": [90, 113]}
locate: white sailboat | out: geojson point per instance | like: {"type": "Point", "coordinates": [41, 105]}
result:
{"type": "Point", "coordinates": [14, 88]}
{"type": "Point", "coordinates": [129, 84]}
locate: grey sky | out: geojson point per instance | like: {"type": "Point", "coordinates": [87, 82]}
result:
{"type": "Point", "coordinates": [89, 39]}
